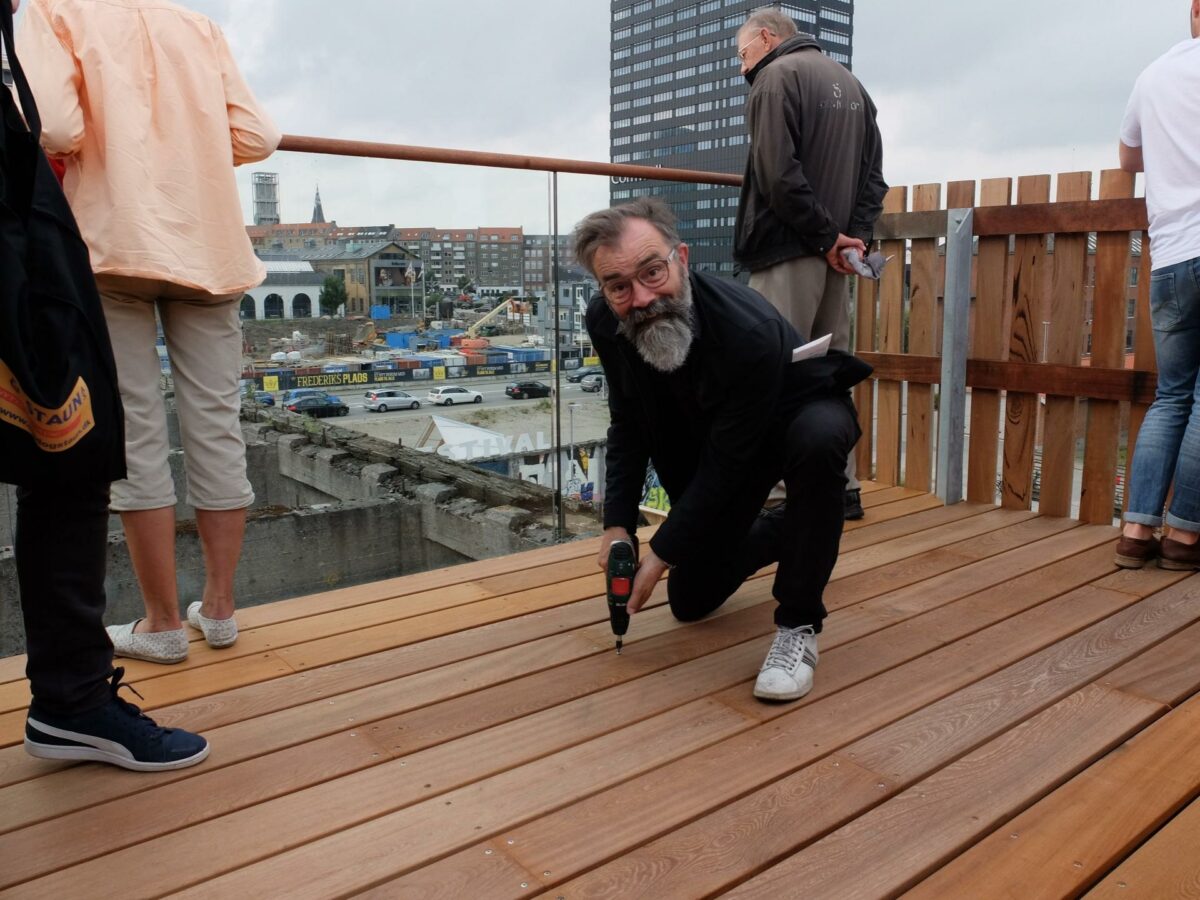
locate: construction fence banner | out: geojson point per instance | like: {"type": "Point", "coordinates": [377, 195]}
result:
{"type": "Point", "coordinates": [284, 381]}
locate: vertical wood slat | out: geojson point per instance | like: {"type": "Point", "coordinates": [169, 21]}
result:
{"type": "Point", "coordinates": [987, 342]}
{"type": "Point", "coordinates": [922, 331]}
{"type": "Point", "coordinates": [1068, 273]}
{"type": "Point", "coordinates": [1028, 295]}
{"type": "Point", "coordinates": [1108, 350]}
{"type": "Point", "coordinates": [1143, 355]}
{"type": "Point", "coordinates": [891, 323]}
{"type": "Point", "coordinates": [864, 392]}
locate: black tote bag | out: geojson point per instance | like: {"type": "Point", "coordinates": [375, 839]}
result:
{"type": "Point", "coordinates": [60, 412]}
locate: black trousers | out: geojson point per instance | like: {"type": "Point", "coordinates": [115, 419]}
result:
{"type": "Point", "coordinates": [61, 546]}
{"type": "Point", "coordinates": [802, 536]}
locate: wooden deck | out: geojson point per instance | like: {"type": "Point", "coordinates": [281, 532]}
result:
{"type": "Point", "coordinates": [998, 712]}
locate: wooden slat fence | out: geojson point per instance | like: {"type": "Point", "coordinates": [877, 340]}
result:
{"type": "Point", "coordinates": [1034, 391]}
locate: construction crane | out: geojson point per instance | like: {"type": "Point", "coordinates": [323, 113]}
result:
{"type": "Point", "coordinates": [470, 341]}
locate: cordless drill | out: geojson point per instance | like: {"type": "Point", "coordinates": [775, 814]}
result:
{"type": "Point", "coordinates": [622, 565]}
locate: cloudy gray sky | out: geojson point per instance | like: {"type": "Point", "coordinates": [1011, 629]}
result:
{"type": "Point", "coordinates": [965, 89]}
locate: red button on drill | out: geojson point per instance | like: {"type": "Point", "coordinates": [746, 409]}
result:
{"type": "Point", "coordinates": [621, 585]}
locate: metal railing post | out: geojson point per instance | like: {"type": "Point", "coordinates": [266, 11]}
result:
{"type": "Point", "coordinates": [952, 399]}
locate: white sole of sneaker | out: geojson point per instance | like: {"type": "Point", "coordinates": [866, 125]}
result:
{"type": "Point", "coordinates": [781, 697]}
{"type": "Point", "coordinates": [113, 757]}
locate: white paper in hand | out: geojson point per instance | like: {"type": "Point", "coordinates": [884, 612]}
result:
{"type": "Point", "coordinates": [812, 348]}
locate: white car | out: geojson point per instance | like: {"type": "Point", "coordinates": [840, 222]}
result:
{"type": "Point", "coordinates": [448, 396]}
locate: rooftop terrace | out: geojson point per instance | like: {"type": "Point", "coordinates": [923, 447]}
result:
{"type": "Point", "coordinates": [998, 710]}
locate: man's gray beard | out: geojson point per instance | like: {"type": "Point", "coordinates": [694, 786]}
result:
{"type": "Point", "coordinates": [664, 341]}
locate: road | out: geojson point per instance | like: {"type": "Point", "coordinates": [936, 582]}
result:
{"type": "Point", "coordinates": [491, 388]}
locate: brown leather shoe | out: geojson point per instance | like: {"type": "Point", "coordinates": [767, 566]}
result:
{"type": "Point", "coordinates": [1133, 553]}
{"type": "Point", "coordinates": [1181, 557]}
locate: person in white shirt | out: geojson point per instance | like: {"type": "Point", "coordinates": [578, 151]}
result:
{"type": "Point", "coordinates": [1160, 135]}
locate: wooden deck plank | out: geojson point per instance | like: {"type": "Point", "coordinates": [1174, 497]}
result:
{"type": "Point", "coordinates": [1165, 866]}
{"type": "Point", "coordinates": [588, 833]}
{"type": "Point", "coordinates": [1094, 819]}
{"type": "Point", "coordinates": [454, 717]}
{"type": "Point", "coordinates": [913, 832]}
{"type": "Point", "coordinates": [482, 708]}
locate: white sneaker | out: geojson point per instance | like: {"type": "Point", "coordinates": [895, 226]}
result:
{"type": "Point", "coordinates": [787, 672]}
{"type": "Point", "coordinates": [152, 646]}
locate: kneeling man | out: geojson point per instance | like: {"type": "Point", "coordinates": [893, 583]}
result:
{"type": "Point", "coordinates": [701, 383]}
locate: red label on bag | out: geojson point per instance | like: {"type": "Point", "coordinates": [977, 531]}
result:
{"type": "Point", "coordinates": [53, 430]}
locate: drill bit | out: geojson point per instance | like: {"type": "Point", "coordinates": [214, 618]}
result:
{"type": "Point", "coordinates": [618, 646]}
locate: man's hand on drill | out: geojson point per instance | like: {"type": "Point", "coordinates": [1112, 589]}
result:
{"type": "Point", "coordinates": [649, 570]}
{"type": "Point", "coordinates": [616, 533]}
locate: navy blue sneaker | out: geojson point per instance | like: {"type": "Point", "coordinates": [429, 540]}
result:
{"type": "Point", "coordinates": [117, 732]}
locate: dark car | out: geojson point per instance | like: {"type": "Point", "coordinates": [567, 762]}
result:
{"type": "Point", "coordinates": [579, 374]}
{"type": "Point", "coordinates": [325, 405]}
{"type": "Point", "coordinates": [264, 398]}
{"type": "Point", "coordinates": [290, 396]}
{"type": "Point", "coordinates": [519, 390]}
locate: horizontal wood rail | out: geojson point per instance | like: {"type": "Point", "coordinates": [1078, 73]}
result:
{"type": "Point", "coordinates": [1030, 218]}
{"type": "Point", "coordinates": [1089, 382]}
{"type": "Point", "coordinates": [374, 150]}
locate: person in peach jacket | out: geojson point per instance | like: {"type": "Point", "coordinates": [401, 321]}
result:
{"type": "Point", "coordinates": [143, 102]}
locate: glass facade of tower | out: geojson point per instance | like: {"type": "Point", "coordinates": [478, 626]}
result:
{"type": "Point", "coordinates": [678, 101]}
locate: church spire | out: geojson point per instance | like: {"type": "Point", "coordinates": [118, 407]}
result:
{"type": "Point", "coordinates": [318, 216]}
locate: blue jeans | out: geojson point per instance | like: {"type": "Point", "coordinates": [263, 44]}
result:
{"type": "Point", "coordinates": [1168, 445]}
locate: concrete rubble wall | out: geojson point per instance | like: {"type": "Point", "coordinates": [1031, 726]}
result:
{"type": "Point", "coordinates": [333, 508]}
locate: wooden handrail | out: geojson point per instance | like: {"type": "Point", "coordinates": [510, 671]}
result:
{"type": "Point", "coordinates": [1088, 382]}
{"type": "Point", "coordinates": [374, 150]}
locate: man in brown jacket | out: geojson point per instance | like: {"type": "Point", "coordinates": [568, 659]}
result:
{"type": "Point", "coordinates": [814, 183]}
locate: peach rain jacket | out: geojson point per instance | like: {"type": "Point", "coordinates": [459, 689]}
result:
{"type": "Point", "coordinates": [150, 145]}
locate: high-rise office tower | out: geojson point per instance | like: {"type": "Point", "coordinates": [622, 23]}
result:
{"type": "Point", "coordinates": [678, 101]}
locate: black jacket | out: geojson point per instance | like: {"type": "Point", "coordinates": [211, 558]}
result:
{"type": "Point", "coordinates": [816, 158]}
{"type": "Point", "coordinates": [713, 428]}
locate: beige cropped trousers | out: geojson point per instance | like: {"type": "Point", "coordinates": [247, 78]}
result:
{"type": "Point", "coordinates": [204, 344]}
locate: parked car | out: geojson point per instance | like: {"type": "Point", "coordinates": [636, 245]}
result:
{"type": "Point", "coordinates": [519, 390]}
{"type": "Point", "coordinates": [290, 396]}
{"type": "Point", "coordinates": [577, 375]}
{"type": "Point", "coordinates": [264, 398]}
{"type": "Point", "coordinates": [448, 396]}
{"type": "Point", "coordinates": [383, 400]}
{"type": "Point", "coordinates": [592, 383]}
{"type": "Point", "coordinates": [325, 405]}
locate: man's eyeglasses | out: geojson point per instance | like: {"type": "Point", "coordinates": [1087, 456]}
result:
{"type": "Point", "coordinates": [653, 274]}
{"type": "Point", "coordinates": [746, 46]}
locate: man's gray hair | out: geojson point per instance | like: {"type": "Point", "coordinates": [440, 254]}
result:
{"type": "Point", "coordinates": [605, 227]}
{"type": "Point", "coordinates": [776, 22]}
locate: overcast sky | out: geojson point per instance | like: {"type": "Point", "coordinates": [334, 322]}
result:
{"type": "Point", "coordinates": [965, 89]}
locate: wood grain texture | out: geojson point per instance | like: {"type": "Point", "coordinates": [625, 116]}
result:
{"type": "Point", "coordinates": [1108, 349]}
{"type": "Point", "coordinates": [889, 404]}
{"type": "Point", "coordinates": [1027, 302]}
{"type": "Point", "coordinates": [914, 832]}
{"type": "Point", "coordinates": [1068, 274]}
{"type": "Point", "coordinates": [1167, 865]}
{"type": "Point", "coordinates": [1143, 356]}
{"type": "Point", "coordinates": [989, 323]}
{"type": "Point", "coordinates": [923, 317]}
{"type": "Point", "coordinates": [1076, 834]}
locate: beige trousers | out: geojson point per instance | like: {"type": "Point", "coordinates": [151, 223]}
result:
{"type": "Point", "coordinates": [204, 344]}
{"type": "Point", "coordinates": [816, 300]}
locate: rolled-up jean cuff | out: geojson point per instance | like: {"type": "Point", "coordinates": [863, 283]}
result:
{"type": "Point", "coordinates": [1182, 524]}
{"type": "Point", "coordinates": [1143, 519]}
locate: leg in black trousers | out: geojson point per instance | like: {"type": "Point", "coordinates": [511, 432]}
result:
{"type": "Point", "coordinates": [803, 537]}
{"type": "Point", "coordinates": [61, 544]}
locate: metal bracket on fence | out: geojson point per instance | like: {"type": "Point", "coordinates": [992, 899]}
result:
{"type": "Point", "coordinates": [952, 401]}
